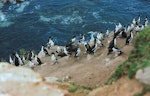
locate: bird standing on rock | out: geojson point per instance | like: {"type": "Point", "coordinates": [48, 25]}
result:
{"type": "Point", "coordinates": [77, 53]}
{"type": "Point", "coordinates": [146, 21]}
{"type": "Point", "coordinates": [43, 52]}
{"type": "Point", "coordinates": [53, 58]}
{"type": "Point", "coordinates": [107, 33]}
{"type": "Point", "coordinates": [112, 44]}
{"type": "Point", "coordinates": [139, 19]}
{"type": "Point", "coordinates": [82, 39]}
{"type": "Point", "coordinates": [37, 60]}
{"type": "Point", "coordinates": [19, 59]}
{"type": "Point", "coordinates": [50, 43]}
{"type": "Point", "coordinates": [30, 55]}
{"type": "Point", "coordinates": [73, 40]}
{"type": "Point", "coordinates": [11, 60]}
{"type": "Point", "coordinates": [16, 60]}
{"type": "Point", "coordinates": [129, 38]}
{"type": "Point", "coordinates": [123, 33]}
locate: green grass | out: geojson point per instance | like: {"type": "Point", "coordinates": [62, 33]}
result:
{"type": "Point", "coordinates": [119, 72]}
{"type": "Point", "coordinates": [23, 52]}
{"type": "Point", "coordinates": [76, 87]}
{"type": "Point", "coordinates": [73, 89]}
{"type": "Point", "coordinates": [139, 57]}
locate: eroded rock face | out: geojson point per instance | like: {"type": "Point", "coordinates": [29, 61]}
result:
{"type": "Point", "coordinates": [20, 81]}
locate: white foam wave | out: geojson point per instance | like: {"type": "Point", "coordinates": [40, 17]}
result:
{"type": "Point", "coordinates": [104, 22]}
{"type": "Point", "coordinates": [2, 17]}
{"type": "Point", "coordinates": [96, 15]}
{"type": "Point", "coordinates": [44, 19]}
{"type": "Point", "coordinates": [37, 7]}
{"type": "Point", "coordinates": [62, 19]}
{"type": "Point", "coordinates": [3, 20]}
{"type": "Point", "coordinates": [22, 6]}
{"type": "Point", "coordinates": [6, 24]}
{"type": "Point", "coordinates": [72, 20]}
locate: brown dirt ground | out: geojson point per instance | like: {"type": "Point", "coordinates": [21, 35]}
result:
{"type": "Point", "coordinates": [120, 88]}
{"type": "Point", "coordinates": [87, 70]}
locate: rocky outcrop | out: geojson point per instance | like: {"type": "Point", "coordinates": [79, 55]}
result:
{"type": "Point", "coordinates": [20, 81]}
{"type": "Point", "coordinates": [143, 75]}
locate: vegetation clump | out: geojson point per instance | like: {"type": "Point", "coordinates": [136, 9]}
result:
{"type": "Point", "coordinates": [139, 57]}
{"type": "Point", "coordinates": [79, 89]}
{"type": "Point", "coordinates": [144, 91]}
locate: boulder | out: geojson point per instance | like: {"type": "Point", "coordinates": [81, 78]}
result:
{"type": "Point", "coordinates": [143, 75]}
{"type": "Point", "coordinates": [20, 81]}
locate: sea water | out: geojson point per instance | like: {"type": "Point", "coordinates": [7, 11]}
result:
{"type": "Point", "coordinates": [28, 25]}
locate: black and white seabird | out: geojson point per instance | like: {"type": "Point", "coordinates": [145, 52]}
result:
{"type": "Point", "coordinates": [133, 21]}
{"type": "Point", "coordinates": [16, 60]}
{"type": "Point", "coordinates": [99, 43]}
{"type": "Point", "coordinates": [44, 50]}
{"type": "Point", "coordinates": [23, 58]}
{"type": "Point", "coordinates": [91, 49]}
{"type": "Point", "coordinates": [65, 51]}
{"type": "Point", "coordinates": [19, 59]}
{"type": "Point", "coordinates": [50, 43]}
{"type": "Point", "coordinates": [123, 33]}
{"type": "Point", "coordinates": [88, 48]}
{"type": "Point", "coordinates": [38, 61]}
{"type": "Point", "coordinates": [73, 40]}
{"type": "Point", "coordinates": [132, 26]}
{"type": "Point", "coordinates": [30, 55]}
{"type": "Point", "coordinates": [138, 28]}
{"type": "Point", "coordinates": [116, 33]}
{"type": "Point", "coordinates": [107, 32]}
{"type": "Point", "coordinates": [129, 38]}
{"type": "Point", "coordinates": [94, 48]}
{"type": "Point", "coordinates": [82, 38]}
{"type": "Point", "coordinates": [117, 51]}
{"type": "Point", "coordinates": [53, 58]}
{"type": "Point", "coordinates": [128, 28]}
{"type": "Point", "coordinates": [71, 47]}
{"type": "Point", "coordinates": [100, 36]}
{"type": "Point", "coordinates": [146, 21]}
{"type": "Point", "coordinates": [58, 49]}
{"type": "Point", "coordinates": [11, 60]}
{"type": "Point", "coordinates": [77, 53]}
{"type": "Point", "coordinates": [118, 27]}
{"type": "Point", "coordinates": [139, 19]}
{"type": "Point", "coordinates": [112, 44]}
{"type": "Point", "coordinates": [61, 52]}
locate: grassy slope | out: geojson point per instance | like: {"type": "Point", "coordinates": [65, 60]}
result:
{"type": "Point", "coordinates": [138, 58]}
